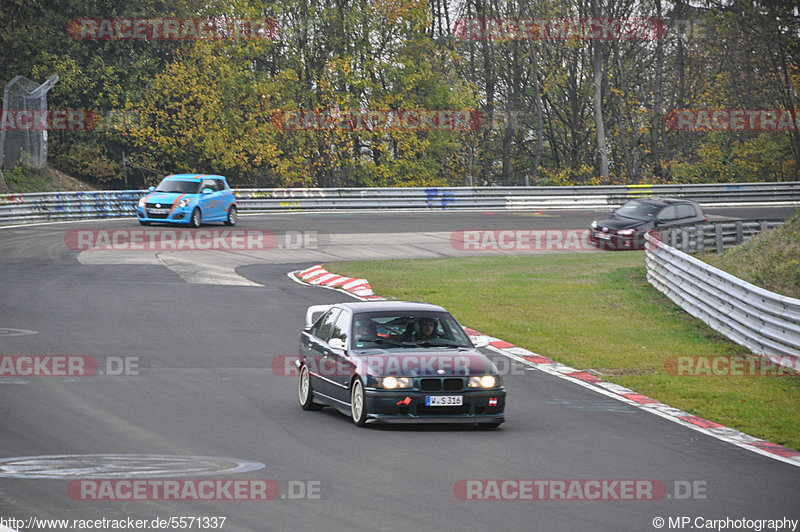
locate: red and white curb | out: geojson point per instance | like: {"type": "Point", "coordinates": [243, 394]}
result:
{"type": "Point", "coordinates": [317, 275]}
{"type": "Point", "coordinates": [361, 289]}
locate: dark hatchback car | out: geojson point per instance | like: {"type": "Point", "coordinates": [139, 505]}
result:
{"type": "Point", "coordinates": [396, 361]}
{"type": "Point", "coordinates": [625, 227]}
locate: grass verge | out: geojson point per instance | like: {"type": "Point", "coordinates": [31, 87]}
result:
{"type": "Point", "coordinates": [770, 260]}
{"type": "Point", "coordinates": [595, 312]}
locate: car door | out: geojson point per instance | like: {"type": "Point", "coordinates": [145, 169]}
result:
{"type": "Point", "coordinates": [320, 365]}
{"type": "Point", "coordinates": [338, 358]}
{"type": "Point", "coordinates": [209, 202]}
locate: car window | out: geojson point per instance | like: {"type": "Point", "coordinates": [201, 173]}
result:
{"type": "Point", "coordinates": [668, 213]}
{"type": "Point", "coordinates": [638, 210]}
{"type": "Point", "coordinates": [341, 327]}
{"type": "Point", "coordinates": [322, 329]}
{"type": "Point", "coordinates": [209, 183]}
{"type": "Point", "coordinates": [403, 329]}
{"type": "Point", "coordinates": [685, 211]}
{"type": "Point", "coordinates": [181, 187]}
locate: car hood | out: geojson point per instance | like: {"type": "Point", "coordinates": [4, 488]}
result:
{"type": "Point", "coordinates": [616, 222]}
{"type": "Point", "coordinates": [424, 363]}
{"type": "Point", "coordinates": [163, 197]}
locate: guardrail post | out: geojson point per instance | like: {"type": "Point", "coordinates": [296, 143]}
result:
{"type": "Point", "coordinates": [739, 233]}
{"type": "Point", "coordinates": [685, 244]}
{"type": "Point", "coordinates": [719, 240]}
{"type": "Point", "coordinates": [700, 238]}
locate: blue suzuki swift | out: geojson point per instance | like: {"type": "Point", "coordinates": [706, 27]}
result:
{"type": "Point", "coordinates": [191, 199]}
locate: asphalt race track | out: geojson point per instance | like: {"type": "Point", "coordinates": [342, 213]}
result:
{"type": "Point", "coordinates": [202, 400]}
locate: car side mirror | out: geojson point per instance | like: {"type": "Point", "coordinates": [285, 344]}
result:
{"type": "Point", "coordinates": [207, 191]}
{"type": "Point", "coordinates": [479, 341]}
{"type": "Point", "coordinates": [336, 343]}
{"type": "Point", "coordinates": [151, 188]}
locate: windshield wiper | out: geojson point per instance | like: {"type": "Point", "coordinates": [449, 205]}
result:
{"type": "Point", "coordinates": [387, 341]}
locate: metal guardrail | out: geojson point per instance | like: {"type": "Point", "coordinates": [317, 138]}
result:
{"type": "Point", "coordinates": [715, 236]}
{"type": "Point", "coordinates": [766, 323]}
{"type": "Point", "coordinates": [56, 206]}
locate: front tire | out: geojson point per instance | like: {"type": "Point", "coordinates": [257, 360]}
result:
{"type": "Point", "coordinates": [196, 218]}
{"type": "Point", "coordinates": [358, 404]}
{"type": "Point", "coordinates": [305, 393]}
{"type": "Point", "coordinates": [143, 222]}
{"type": "Point", "coordinates": [233, 216]}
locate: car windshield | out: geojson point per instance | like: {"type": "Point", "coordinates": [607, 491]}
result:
{"type": "Point", "coordinates": [408, 330]}
{"type": "Point", "coordinates": [638, 210]}
{"type": "Point", "coordinates": [181, 187]}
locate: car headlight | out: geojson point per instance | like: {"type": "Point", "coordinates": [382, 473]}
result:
{"type": "Point", "coordinates": [484, 381]}
{"type": "Point", "coordinates": [142, 201]}
{"type": "Point", "coordinates": [184, 202]}
{"type": "Point", "coordinates": [594, 224]}
{"type": "Point", "coordinates": [625, 232]}
{"type": "Point", "coordinates": [391, 383]}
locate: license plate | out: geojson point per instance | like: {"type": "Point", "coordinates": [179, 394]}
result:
{"type": "Point", "coordinates": [157, 211]}
{"type": "Point", "coordinates": [604, 236]}
{"type": "Point", "coordinates": [444, 400]}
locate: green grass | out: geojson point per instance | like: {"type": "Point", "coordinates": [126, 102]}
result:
{"type": "Point", "coordinates": [770, 260]}
{"type": "Point", "coordinates": [595, 312]}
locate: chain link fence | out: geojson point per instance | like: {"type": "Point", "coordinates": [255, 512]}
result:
{"type": "Point", "coordinates": [22, 95]}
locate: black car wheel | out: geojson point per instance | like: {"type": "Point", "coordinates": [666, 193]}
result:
{"type": "Point", "coordinates": [233, 216]}
{"type": "Point", "coordinates": [358, 406]}
{"type": "Point", "coordinates": [144, 223]}
{"type": "Point", "coordinates": [196, 217]}
{"type": "Point", "coordinates": [305, 393]}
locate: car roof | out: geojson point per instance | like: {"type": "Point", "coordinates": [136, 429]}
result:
{"type": "Point", "coordinates": [662, 201]}
{"type": "Point", "coordinates": [192, 177]}
{"type": "Point", "coordinates": [391, 305]}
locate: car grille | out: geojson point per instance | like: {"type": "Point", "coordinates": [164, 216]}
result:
{"type": "Point", "coordinates": [165, 206]}
{"type": "Point", "coordinates": [441, 384]}
{"type": "Point", "coordinates": [442, 410]}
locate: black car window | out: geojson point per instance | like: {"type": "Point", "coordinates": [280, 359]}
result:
{"type": "Point", "coordinates": [341, 327]}
{"type": "Point", "coordinates": [668, 213]}
{"type": "Point", "coordinates": [322, 329]}
{"type": "Point", "coordinates": [638, 210]}
{"type": "Point", "coordinates": [401, 329]}
{"type": "Point", "coordinates": [685, 211]}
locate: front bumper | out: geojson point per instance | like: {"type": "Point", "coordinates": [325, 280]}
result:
{"type": "Point", "coordinates": [178, 215]}
{"type": "Point", "coordinates": [613, 240]}
{"type": "Point", "coordinates": [478, 406]}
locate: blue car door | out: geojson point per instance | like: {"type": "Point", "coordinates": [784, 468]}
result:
{"type": "Point", "coordinates": [209, 201]}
